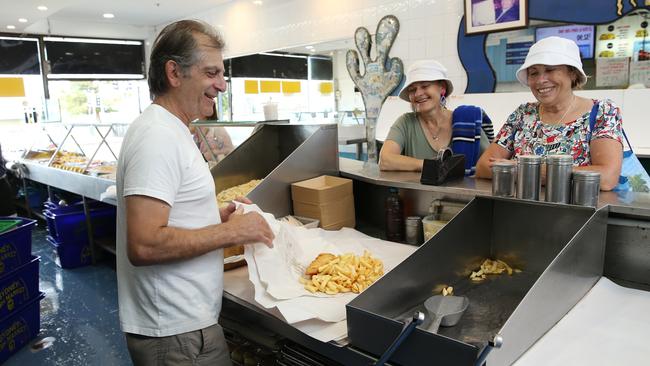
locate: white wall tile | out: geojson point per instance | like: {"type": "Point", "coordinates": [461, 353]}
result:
{"type": "Point", "coordinates": [417, 50]}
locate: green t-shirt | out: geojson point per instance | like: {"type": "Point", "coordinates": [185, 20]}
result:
{"type": "Point", "coordinates": [408, 134]}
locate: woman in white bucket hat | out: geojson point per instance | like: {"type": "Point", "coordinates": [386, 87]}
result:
{"type": "Point", "coordinates": [558, 123]}
{"type": "Point", "coordinates": [431, 127]}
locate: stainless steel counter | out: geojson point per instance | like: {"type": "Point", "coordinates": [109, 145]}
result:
{"type": "Point", "coordinates": [630, 203]}
{"type": "Point", "coordinates": [370, 173]}
{"type": "Point", "coordinates": [81, 184]}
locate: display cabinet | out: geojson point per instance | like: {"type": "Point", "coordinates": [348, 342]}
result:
{"type": "Point", "coordinates": [90, 149]}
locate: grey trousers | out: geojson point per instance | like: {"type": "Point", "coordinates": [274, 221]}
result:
{"type": "Point", "coordinates": [205, 346]}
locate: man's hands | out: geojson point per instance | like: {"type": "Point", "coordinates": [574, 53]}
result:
{"type": "Point", "coordinates": [249, 228]}
{"type": "Point", "coordinates": [230, 209]}
{"type": "Point", "coordinates": [246, 228]}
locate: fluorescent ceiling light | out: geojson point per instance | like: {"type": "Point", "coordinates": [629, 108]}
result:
{"type": "Point", "coordinates": [258, 2]}
{"type": "Point", "coordinates": [11, 27]}
{"type": "Point", "coordinates": [41, 7]}
{"type": "Point", "coordinates": [280, 55]}
{"type": "Point", "coordinates": [108, 16]}
{"type": "Point", "coordinates": [95, 76]}
{"type": "Point", "coordinates": [22, 20]}
{"type": "Point", "coordinates": [89, 40]}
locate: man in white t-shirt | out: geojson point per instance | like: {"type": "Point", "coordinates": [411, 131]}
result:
{"type": "Point", "coordinates": [170, 232]}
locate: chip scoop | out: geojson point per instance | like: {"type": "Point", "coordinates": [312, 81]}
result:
{"type": "Point", "coordinates": [445, 310]}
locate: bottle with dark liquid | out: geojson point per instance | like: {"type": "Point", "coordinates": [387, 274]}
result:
{"type": "Point", "coordinates": [394, 216]}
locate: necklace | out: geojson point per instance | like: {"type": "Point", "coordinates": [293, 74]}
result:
{"type": "Point", "coordinates": [567, 111]}
{"type": "Point", "coordinates": [434, 137]}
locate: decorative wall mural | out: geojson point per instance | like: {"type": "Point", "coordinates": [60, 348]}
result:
{"type": "Point", "coordinates": [381, 75]}
{"type": "Point", "coordinates": [471, 48]}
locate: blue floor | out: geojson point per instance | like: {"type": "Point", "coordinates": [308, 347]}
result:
{"type": "Point", "coordinates": [79, 310]}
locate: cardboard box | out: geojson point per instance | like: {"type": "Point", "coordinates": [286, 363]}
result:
{"type": "Point", "coordinates": [326, 198]}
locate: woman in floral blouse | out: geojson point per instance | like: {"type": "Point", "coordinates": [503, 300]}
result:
{"type": "Point", "coordinates": [558, 123]}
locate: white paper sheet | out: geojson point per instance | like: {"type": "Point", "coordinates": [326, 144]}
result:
{"type": "Point", "coordinates": [609, 326]}
{"type": "Point", "coordinates": [274, 272]}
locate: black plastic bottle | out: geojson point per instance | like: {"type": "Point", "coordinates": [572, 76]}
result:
{"type": "Point", "coordinates": [394, 216]}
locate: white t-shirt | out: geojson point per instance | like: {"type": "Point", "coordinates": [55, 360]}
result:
{"type": "Point", "coordinates": [159, 159]}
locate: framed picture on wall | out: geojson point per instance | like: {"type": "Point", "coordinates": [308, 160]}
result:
{"type": "Point", "coordinates": [495, 15]}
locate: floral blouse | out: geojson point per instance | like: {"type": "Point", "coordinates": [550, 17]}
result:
{"type": "Point", "coordinates": [525, 134]}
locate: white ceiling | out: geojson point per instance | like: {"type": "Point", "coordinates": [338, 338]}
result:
{"type": "Point", "coordinates": [127, 12]}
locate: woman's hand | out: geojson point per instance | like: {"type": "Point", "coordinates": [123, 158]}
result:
{"type": "Point", "coordinates": [493, 154]}
{"type": "Point", "coordinates": [390, 158]}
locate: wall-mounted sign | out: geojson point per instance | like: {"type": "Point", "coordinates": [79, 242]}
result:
{"type": "Point", "coordinates": [626, 37]}
{"type": "Point", "coordinates": [640, 73]}
{"type": "Point", "coordinates": [581, 34]}
{"type": "Point", "coordinates": [612, 71]}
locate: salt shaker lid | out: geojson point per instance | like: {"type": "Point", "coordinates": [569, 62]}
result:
{"type": "Point", "coordinates": [504, 166]}
{"type": "Point", "coordinates": [530, 159]}
{"type": "Point", "coordinates": [563, 159]}
{"type": "Point", "coordinates": [586, 175]}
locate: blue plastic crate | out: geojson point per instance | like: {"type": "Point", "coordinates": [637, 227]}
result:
{"type": "Point", "coordinates": [16, 245]}
{"type": "Point", "coordinates": [71, 255]}
{"type": "Point", "coordinates": [18, 287]}
{"type": "Point", "coordinates": [70, 227]}
{"type": "Point", "coordinates": [17, 329]}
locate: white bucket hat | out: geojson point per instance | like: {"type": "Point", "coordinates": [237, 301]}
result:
{"type": "Point", "coordinates": [552, 51]}
{"type": "Point", "coordinates": [425, 70]}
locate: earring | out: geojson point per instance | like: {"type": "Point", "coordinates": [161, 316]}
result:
{"type": "Point", "coordinates": [443, 101]}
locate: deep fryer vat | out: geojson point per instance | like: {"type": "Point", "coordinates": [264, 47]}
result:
{"type": "Point", "coordinates": [558, 247]}
{"type": "Point", "coordinates": [279, 154]}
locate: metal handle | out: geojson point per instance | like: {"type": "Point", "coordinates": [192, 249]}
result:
{"type": "Point", "coordinates": [497, 342]}
{"type": "Point", "coordinates": [409, 326]}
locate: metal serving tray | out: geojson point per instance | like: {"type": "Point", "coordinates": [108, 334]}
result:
{"type": "Point", "coordinates": [280, 154]}
{"type": "Point", "coordinates": [559, 248]}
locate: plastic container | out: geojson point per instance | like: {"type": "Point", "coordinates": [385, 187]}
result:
{"type": "Point", "coordinates": [71, 227]}
{"type": "Point", "coordinates": [17, 329]}
{"type": "Point", "coordinates": [18, 287]}
{"type": "Point", "coordinates": [16, 245]}
{"type": "Point", "coordinates": [54, 208]}
{"type": "Point", "coordinates": [71, 255]}
{"type": "Point", "coordinates": [394, 216]}
{"type": "Point", "coordinates": [431, 226]}
{"type": "Point", "coordinates": [35, 196]}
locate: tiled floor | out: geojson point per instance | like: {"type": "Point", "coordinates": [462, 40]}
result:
{"type": "Point", "coordinates": [79, 310]}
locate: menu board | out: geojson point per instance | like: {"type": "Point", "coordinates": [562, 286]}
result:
{"type": "Point", "coordinates": [640, 73]}
{"type": "Point", "coordinates": [612, 71]}
{"type": "Point", "coordinates": [582, 35]}
{"type": "Point", "coordinates": [627, 37]}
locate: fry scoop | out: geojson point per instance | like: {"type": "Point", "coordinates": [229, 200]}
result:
{"type": "Point", "coordinates": [445, 310]}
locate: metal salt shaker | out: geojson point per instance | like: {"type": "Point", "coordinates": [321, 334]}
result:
{"type": "Point", "coordinates": [503, 178]}
{"type": "Point", "coordinates": [414, 230]}
{"type": "Point", "coordinates": [529, 177]}
{"type": "Point", "coordinates": [558, 178]}
{"type": "Point", "coordinates": [586, 187]}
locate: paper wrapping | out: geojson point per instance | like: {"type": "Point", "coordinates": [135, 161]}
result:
{"type": "Point", "coordinates": [275, 272]}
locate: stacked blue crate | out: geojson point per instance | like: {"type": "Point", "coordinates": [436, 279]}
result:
{"type": "Point", "coordinates": [19, 295]}
{"type": "Point", "coordinates": [68, 232]}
